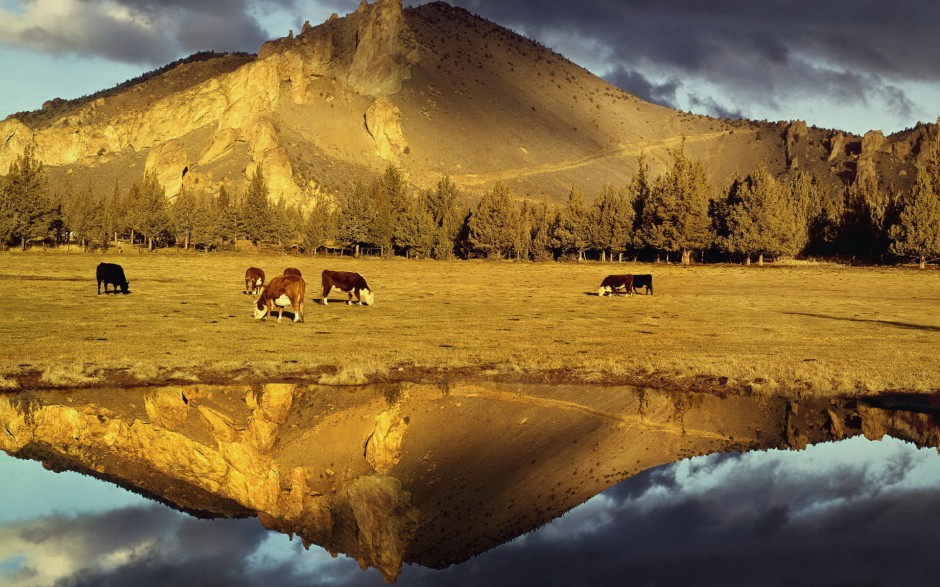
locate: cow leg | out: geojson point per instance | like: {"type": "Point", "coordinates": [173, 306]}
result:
{"type": "Point", "coordinates": [99, 288]}
{"type": "Point", "coordinates": [326, 293]}
{"type": "Point", "coordinates": [349, 299]}
{"type": "Point", "coordinates": [298, 311]}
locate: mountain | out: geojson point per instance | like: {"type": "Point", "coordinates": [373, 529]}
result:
{"type": "Point", "coordinates": [433, 89]}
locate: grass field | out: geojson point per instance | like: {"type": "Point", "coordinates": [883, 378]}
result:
{"type": "Point", "coordinates": [806, 329]}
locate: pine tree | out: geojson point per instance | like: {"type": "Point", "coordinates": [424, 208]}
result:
{"type": "Point", "coordinates": [493, 224]}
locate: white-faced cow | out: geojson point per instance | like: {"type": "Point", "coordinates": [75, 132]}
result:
{"type": "Point", "coordinates": [613, 283]}
{"type": "Point", "coordinates": [350, 282]}
{"type": "Point", "coordinates": [110, 273]}
{"type": "Point", "coordinates": [643, 280]}
{"type": "Point", "coordinates": [254, 280]}
{"type": "Point", "coordinates": [292, 271]}
{"type": "Point", "coordinates": [282, 291]}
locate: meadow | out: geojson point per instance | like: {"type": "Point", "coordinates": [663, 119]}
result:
{"type": "Point", "coordinates": [796, 329]}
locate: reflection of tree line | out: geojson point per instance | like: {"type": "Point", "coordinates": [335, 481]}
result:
{"type": "Point", "coordinates": [675, 213]}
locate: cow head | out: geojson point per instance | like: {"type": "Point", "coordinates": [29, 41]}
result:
{"type": "Point", "coordinates": [125, 287]}
{"type": "Point", "coordinates": [365, 295]}
{"type": "Point", "coordinates": [604, 289]}
{"type": "Point", "coordinates": [261, 310]}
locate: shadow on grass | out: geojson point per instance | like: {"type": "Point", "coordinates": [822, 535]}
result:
{"type": "Point", "coordinates": [906, 325]}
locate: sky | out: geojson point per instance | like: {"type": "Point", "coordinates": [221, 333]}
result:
{"type": "Point", "coordinates": [857, 512]}
{"type": "Point", "coordinates": [854, 65]}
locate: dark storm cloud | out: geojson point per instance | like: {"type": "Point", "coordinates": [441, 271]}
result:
{"type": "Point", "coordinates": [136, 31]}
{"type": "Point", "coordinates": [757, 53]}
{"type": "Point", "coordinates": [638, 85]}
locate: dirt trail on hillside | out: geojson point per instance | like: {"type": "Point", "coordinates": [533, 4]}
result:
{"type": "Point", "coordinates": [477, 179]}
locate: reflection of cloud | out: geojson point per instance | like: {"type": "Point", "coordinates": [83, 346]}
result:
{"type": "Point", "coordinates": [138, 546]}
{"type": "Point", "coordinates": [855, 512]}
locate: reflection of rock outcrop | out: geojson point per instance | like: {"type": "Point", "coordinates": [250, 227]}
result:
{"type": "Point", "coordinates": [430, 478]}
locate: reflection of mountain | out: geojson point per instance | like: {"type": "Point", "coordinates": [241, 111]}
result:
{"type": "Point", "coordinates": [431, 88]}
{"type": "Point", "coordinates": [417, 473]}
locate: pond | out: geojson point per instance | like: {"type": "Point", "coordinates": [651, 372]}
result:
{"type": "Point", "coordinates": [466, 483]}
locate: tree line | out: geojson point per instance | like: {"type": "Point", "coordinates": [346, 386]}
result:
{"type": "Point", "coordinates": [674, 216]}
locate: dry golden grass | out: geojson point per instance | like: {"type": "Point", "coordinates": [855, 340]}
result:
{"type": "Point", "coordinates": [795, 329]}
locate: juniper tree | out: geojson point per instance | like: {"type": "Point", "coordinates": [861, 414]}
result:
{"type": "Point", "coordinates": [417, 231]}
{"type": "Point", "coordinates": [917, 231]}
{"type": "Point", "coordinates": [610, 221]}
{"type": "Point", "coordinates": [255, 217]}
{"type": "Point", "coordinates": [153, 217]}
{"type": "Point", "coordinates": [760, 218]}
{"type": "Point", "coordinates": [573, 230]}
{"type": "Point", "coordinates": [390, 202]}
{"type": "Point", "coordinates": [356, 217]}
{"type": "Point", "coordinates": [444, 204]}
{"type": "Point", "coordinates": [493, 225]}
{"type": "Point", "coordinates": [675, 214]}
{"type": "Point", "coordinates": [320, 226]}
{"type": "Point", "coordinates": [25, 209]}
{"type": "Point", "coordinates": [184, 215]}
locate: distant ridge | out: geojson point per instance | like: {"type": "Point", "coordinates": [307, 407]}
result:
{"type": "Point", "coordinates": [433, 89]}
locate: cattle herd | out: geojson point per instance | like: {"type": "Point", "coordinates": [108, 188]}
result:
{"type": "Point", "coordinates": [289, 288]}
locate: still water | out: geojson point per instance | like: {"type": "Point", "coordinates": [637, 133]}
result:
{"type": "Point", "coordinates": [479, 480]}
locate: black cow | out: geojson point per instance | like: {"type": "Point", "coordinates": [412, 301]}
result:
{"type": "Point", "coordinates": [110, 273]}
{"type": "Point", "coordinates": [644, 280]}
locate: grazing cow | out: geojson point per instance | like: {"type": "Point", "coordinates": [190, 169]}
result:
{"type": "Point", "coordinates": [254, 280]}
{"type": "Point", "coordinates": [292, 271]}
{"type": "Point", "coordinates": [285, 290]}
{"type": "Point", "coordinates": [110, 273]}
{"type": "Point", "coordinates": [612, 283]}
{"type": "Point", "coordinates": [644, 280]}
{"type": "Point", "coordinates": [350, 282]}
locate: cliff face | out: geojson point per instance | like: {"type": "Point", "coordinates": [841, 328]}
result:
{"type": "Point", "coordinates": [432, 89]}
{"type": "Point", "coordinates": [415, 473]}
{"type": "Point", "coordinates": [371, 52]}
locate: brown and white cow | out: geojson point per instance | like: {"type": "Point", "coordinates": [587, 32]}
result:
{"type": "Point", "coordinates": [292, 271]}
{"type": "Point", "coordinates": [254, 280]}
{"type": "Point", "coordinates": [612, 283]}
{"type": "Point", "coordinates": [282, 291]}
{"type": "Point", "coordinates": [350, 282]}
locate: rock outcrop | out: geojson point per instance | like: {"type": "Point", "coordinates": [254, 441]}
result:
{"type": "Point", "coordinates": [383, 121]}
{"type": "Point", "coordinates": [370, 52]}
